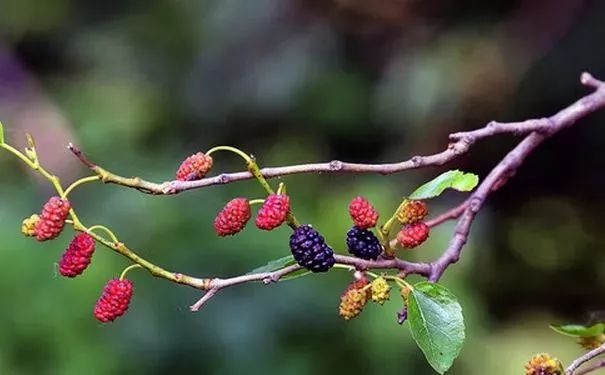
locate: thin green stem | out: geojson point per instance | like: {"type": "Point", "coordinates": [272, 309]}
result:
{"type": "Point", "coordinates": [344, 267]}
{"type": "Point", "coordinates": [80, 182]}
{"type": "Point", "coordinates": [123, 275]}
{"type": "Point", "coordinates": [115, 245]}
{"type": "Point", "coordinates": [401, 282]}
{"type": "Point", "coordinates": [237, 151]}
{"type": "Point", "coordinates": [19, 154]}
{"type": "Point", "coordinates": [281, 189]}
{"type": "Point", "coordinates": [106, 230]}
{"type": "Point", "coordinates": [385, 231]}
{"type": "Point", "coordinates": [256, 201]}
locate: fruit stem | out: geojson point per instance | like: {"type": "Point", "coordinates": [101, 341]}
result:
{"type": "Point", "coordinates": [123, 275]}
{"type": "Point", "coordinates": [81, 181]}
{"type": "Point", "coordinates": [256, 201]}
{"type": "Point", "coordinates": [237, 151]}
{"type": "Point", "coordinates": [281, 189]}
{"type": "Point", "coordinates": [255, 170]}
{"type": "Point", "coordinates": [106, 230]}
{"type": "Point", "coordinates": [401, 282]}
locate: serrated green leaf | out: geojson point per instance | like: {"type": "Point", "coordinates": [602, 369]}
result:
{"type": "Point", "coordinates": [274, 265]}
{"type": "Point", "coordinates": [1, 133]}
{"type": "Point", "coordinates": [436, 323]}
{"type": "Point", "coordinates": [578, 330]}
{"type": "Point", "coordinates": [454, 179]}
{"type": "Point", "coordinates": [280, 263]}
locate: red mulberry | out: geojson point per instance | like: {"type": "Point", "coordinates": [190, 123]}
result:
{"type": "Point", "coordinates": [273, 212]}
{"type": "Point", "coordinates": [77, 256]}
{"type": "Point", "coordinates": [413, 235]}
{"type": "Point", "coordinates": [233, 217]}
{"type": "Point", "coordinates": [114, 301]}
{"type": "Point", "coordinates": [52, 218]}
{"type": "Point", "coordinates": [363, 214]}
{"type": "Point", "coordinates": [194, 167]}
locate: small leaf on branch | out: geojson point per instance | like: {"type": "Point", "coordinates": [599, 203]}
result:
{"type": "Point", "coordinates": [453, 179]}
{"type": "Point", "coordinates": [436, 324]}
{"type": "Point", "coordinates": [30, 150]}
{"type": "Point", "coordinates": [277, 264]}
{"type": "Point", "coordinates": [578, 330]}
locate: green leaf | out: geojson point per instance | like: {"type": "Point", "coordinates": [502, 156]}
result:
{"type": "Point", "coordinates": [436, 324]}
{"type": "Point", "coordinates": [454, 179]}
{"type": "Point", "coordinates": [296, 275]}
{"type": "Point", "coordinates": [1, 133]}
{"type": "Point", "coordinates": [578, 330]}
{"type": "Point", "coordinates": [274, 265]}
{"type": "Point", "coordinates": [280, 263]}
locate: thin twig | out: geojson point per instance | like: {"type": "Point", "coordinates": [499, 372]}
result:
{"type": "Point", "coordinates": [584, 358]}
{"type": "Point", "coordinates": [593, 367]}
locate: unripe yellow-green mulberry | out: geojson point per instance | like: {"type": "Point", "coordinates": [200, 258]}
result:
{"type": "Point", "coordinates": [380, 290]}
{"type": "Point", "coordinates": [28, 227]}
{"type": "Point", "coordinates": [353, 299]}
{"type": "Point", "coordinates": [591, 342]}
{"type": "Point", "coordinates": [544, 364]}
{"type": "Point", "coordinates": [412, 211]}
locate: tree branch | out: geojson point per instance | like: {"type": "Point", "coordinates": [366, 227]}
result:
{"type": "Point", "coordinates": [593, 367]}
{"type": "Point", "coordinates": [535, 131]}
{"type": "Point", "coordinates": [583, 359]}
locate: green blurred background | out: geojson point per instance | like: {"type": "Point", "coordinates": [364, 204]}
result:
{"type": "Point", "coordinates": [139, 85]}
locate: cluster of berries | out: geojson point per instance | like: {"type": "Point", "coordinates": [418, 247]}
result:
{"type": "Point", "coordinates": [236, 213]}
{"type": "Point", "coordinates": [359, 293]}
{"type": "Point", "coordinates": [414, 231]}
{"type": "Point", "coordinates": [48, 225]}
{"type": "Point", "coordinates": [363, 244]}
{"type": "Point", "coordinates": [309, 248]}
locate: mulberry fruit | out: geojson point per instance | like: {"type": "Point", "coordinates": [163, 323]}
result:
{"type": "Point", "coordinates": [233, 217]}
{"type": "Point", "coordinates": [412, 211]}
{"type": "Point", "coordinates": [77, 256]}
{"type": "Point", "coordinates": [273, 212]}
{"type": "Point", "coordinates": [591, 342]}
{"type": "Point", "coordinates": [544, 364]}
{"type": "Point", "coordinates": [28, 227]}
{"type": "Point", "coordinates": [363, 243]}
{"type": "Point", "coordinates": [353, 299]}
{"type": "Point", "coordinates": [194, 167]}
{"type": "Point", "coordinates": [52, 219]}
{"type": "Point", "coordinates": [363, 214]}
{"type": "Point", "coordinates": [310, 249]}
{"type": "Point", "coordinates": [413, 235]}
{"type": "Point", "coordinates": [114, 301]}
{"type": "Point", "coordinates": [380, 290]}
